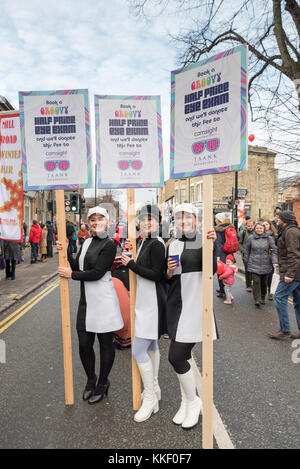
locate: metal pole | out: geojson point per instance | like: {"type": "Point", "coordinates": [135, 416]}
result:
{"type": "Point", "coordinates": [236, 198]}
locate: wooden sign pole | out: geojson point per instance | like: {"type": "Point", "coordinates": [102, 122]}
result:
{"type": "Point", "coordinates": [207, 344]}
{"type": "Point", "coordinates": [136, 379]}
{"type": "Point", "coordinates": [65, 300]}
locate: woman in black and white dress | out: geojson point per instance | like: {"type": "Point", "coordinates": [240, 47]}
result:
{"type": "Point", "coordinates": [98, 310]}
{"type": "Point", "coordinates": [184, 308]}
{"type": "Point", "coordinates": [149, 306]}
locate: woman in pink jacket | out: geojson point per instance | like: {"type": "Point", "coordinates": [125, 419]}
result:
{"type": "Point", "coordinates": [228, 278]}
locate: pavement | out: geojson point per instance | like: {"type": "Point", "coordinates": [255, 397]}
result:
{"type": "Point", "coordinates": [29, 277]}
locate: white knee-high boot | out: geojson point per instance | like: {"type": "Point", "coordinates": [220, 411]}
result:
{"type": "Point", "coordinates": [193, 402]}
{"type": "Point", "coordinates": [180, 415]}
{"type": "Point", "coordinates": [155, 358]}
{"type": "Point", "coordinates": [150, 401]}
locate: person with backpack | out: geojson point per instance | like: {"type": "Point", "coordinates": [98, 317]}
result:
{"type": "Point", "coordinates": [288, 244]}
{"type": "Point", "coordinates": [260, 253]}
{"type": "Point", "coordinates": [227, 242]}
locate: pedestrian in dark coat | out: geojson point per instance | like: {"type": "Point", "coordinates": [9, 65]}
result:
{"type": "Point", "coordinates": [244, 233]}
{"type": "Point", "coordinates": [259, 256]}
{"type": "Point", "coordinates": [50, 238]}
{"type": "Point", "coordinates": [288, 243]}
{"type": "Point", "coordinates": [11, 255]}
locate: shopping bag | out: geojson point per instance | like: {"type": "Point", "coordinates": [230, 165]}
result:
{"type": "Point", "coordinates": [275, 281]}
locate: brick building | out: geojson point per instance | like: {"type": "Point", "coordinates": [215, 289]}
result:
{"type": "Point", "coordinates": [290, 196]}
{"type": "Point", "coordinates": [260, 180]}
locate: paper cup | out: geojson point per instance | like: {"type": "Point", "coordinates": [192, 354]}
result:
{"type": "Point", "coordinates": [175, 258]}
{"type": "Point", "coordinates": [128, 254]}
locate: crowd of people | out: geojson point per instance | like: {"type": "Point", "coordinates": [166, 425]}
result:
{"type": "Point", "coordinates": [168, 295]}
{"type": "Point", "coordinates": [270, 252]}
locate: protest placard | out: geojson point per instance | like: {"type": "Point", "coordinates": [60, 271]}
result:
{"type": "Point", "coordinates": [208, 136]}
{"type": "Point", "coordinates": [56, 154]}
{"type": "Point", "coordinates": [11, 181]}
{"type": "Point", "coordinates": [55, 135]}
{"type": "Point", "coordinates": [209, 115]}
{"type": "Point", "coordinates": [129, 141]}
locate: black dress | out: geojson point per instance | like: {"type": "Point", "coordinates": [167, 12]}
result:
{"type": "Point", "coordinates": [98, 309]}
{"type": "Point", "coordinates": [151, 292]}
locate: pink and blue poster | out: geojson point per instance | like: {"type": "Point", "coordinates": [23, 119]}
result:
{"type": "Point", "coordinates": [129, 148]}
{"type": "Point", "coordinates": [55, 137]}
{"type": "Point", "coordinates": [209, 115]}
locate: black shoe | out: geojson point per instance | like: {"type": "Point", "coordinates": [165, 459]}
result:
{"type": "Point", "coordinates": [221, 295]}
{"type": "Point", "coordinates": [89, 389]}
{"type": "Point", "coordinates": [257, 304]}
{"type": "Point", "coordinates": [99, 392]}
{"type": "Point", "coordinates": [263, 301]}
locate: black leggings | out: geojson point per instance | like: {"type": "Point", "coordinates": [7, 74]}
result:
{"type": "Point", "coordinates": [87, 354]}
{"type": "Point", "coordinates": [179, 354]}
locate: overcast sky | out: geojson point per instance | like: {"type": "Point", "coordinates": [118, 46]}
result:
{"type": "Point", "coordinates": [73, 44]}
{"type": "Point", "coordinates": [97, 44]}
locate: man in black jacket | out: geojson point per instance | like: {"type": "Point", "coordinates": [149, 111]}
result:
{"type": "Point", "coordinates": [50, 238]}
{"type": "Point", "coordinates": [288, 244]}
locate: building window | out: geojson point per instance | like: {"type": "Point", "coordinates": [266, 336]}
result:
{"type": "Point", "coordinates": [176, 196]}
{"type": "Point", "coordinates": [200, 191]}
{"type": "Point", "coordinates": [182, 195]}
{"type": "Point", "coordinates": [192, 193]}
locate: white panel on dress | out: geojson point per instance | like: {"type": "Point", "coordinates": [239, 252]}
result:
{"type": "Point", "coordinates": [146, 306]}
{"type": "Point", "coordinates": [102, 306]}
{"type": "Point", "coordinates": [146, 309]}
{"type": "Point", "coordinates": [190, 322]}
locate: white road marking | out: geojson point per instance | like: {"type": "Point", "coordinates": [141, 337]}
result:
{"type": "Point", "coordinates": [221, 434]}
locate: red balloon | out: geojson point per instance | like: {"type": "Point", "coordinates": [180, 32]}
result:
{"type": "Point", "coordinates": [251, 137]}
{"type": "Point", "coordinates": [220, 268]}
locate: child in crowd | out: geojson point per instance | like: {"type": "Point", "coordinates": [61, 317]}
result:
{"type": "Point", "coordinates": [227, 276]}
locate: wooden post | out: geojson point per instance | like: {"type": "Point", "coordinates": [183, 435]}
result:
{"type": "Point", "coordinates": [136, 379]}
{"type": "Point", "coordinates": [207, 344]}
{"type": "Point", "coordinates": [65, 300]}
